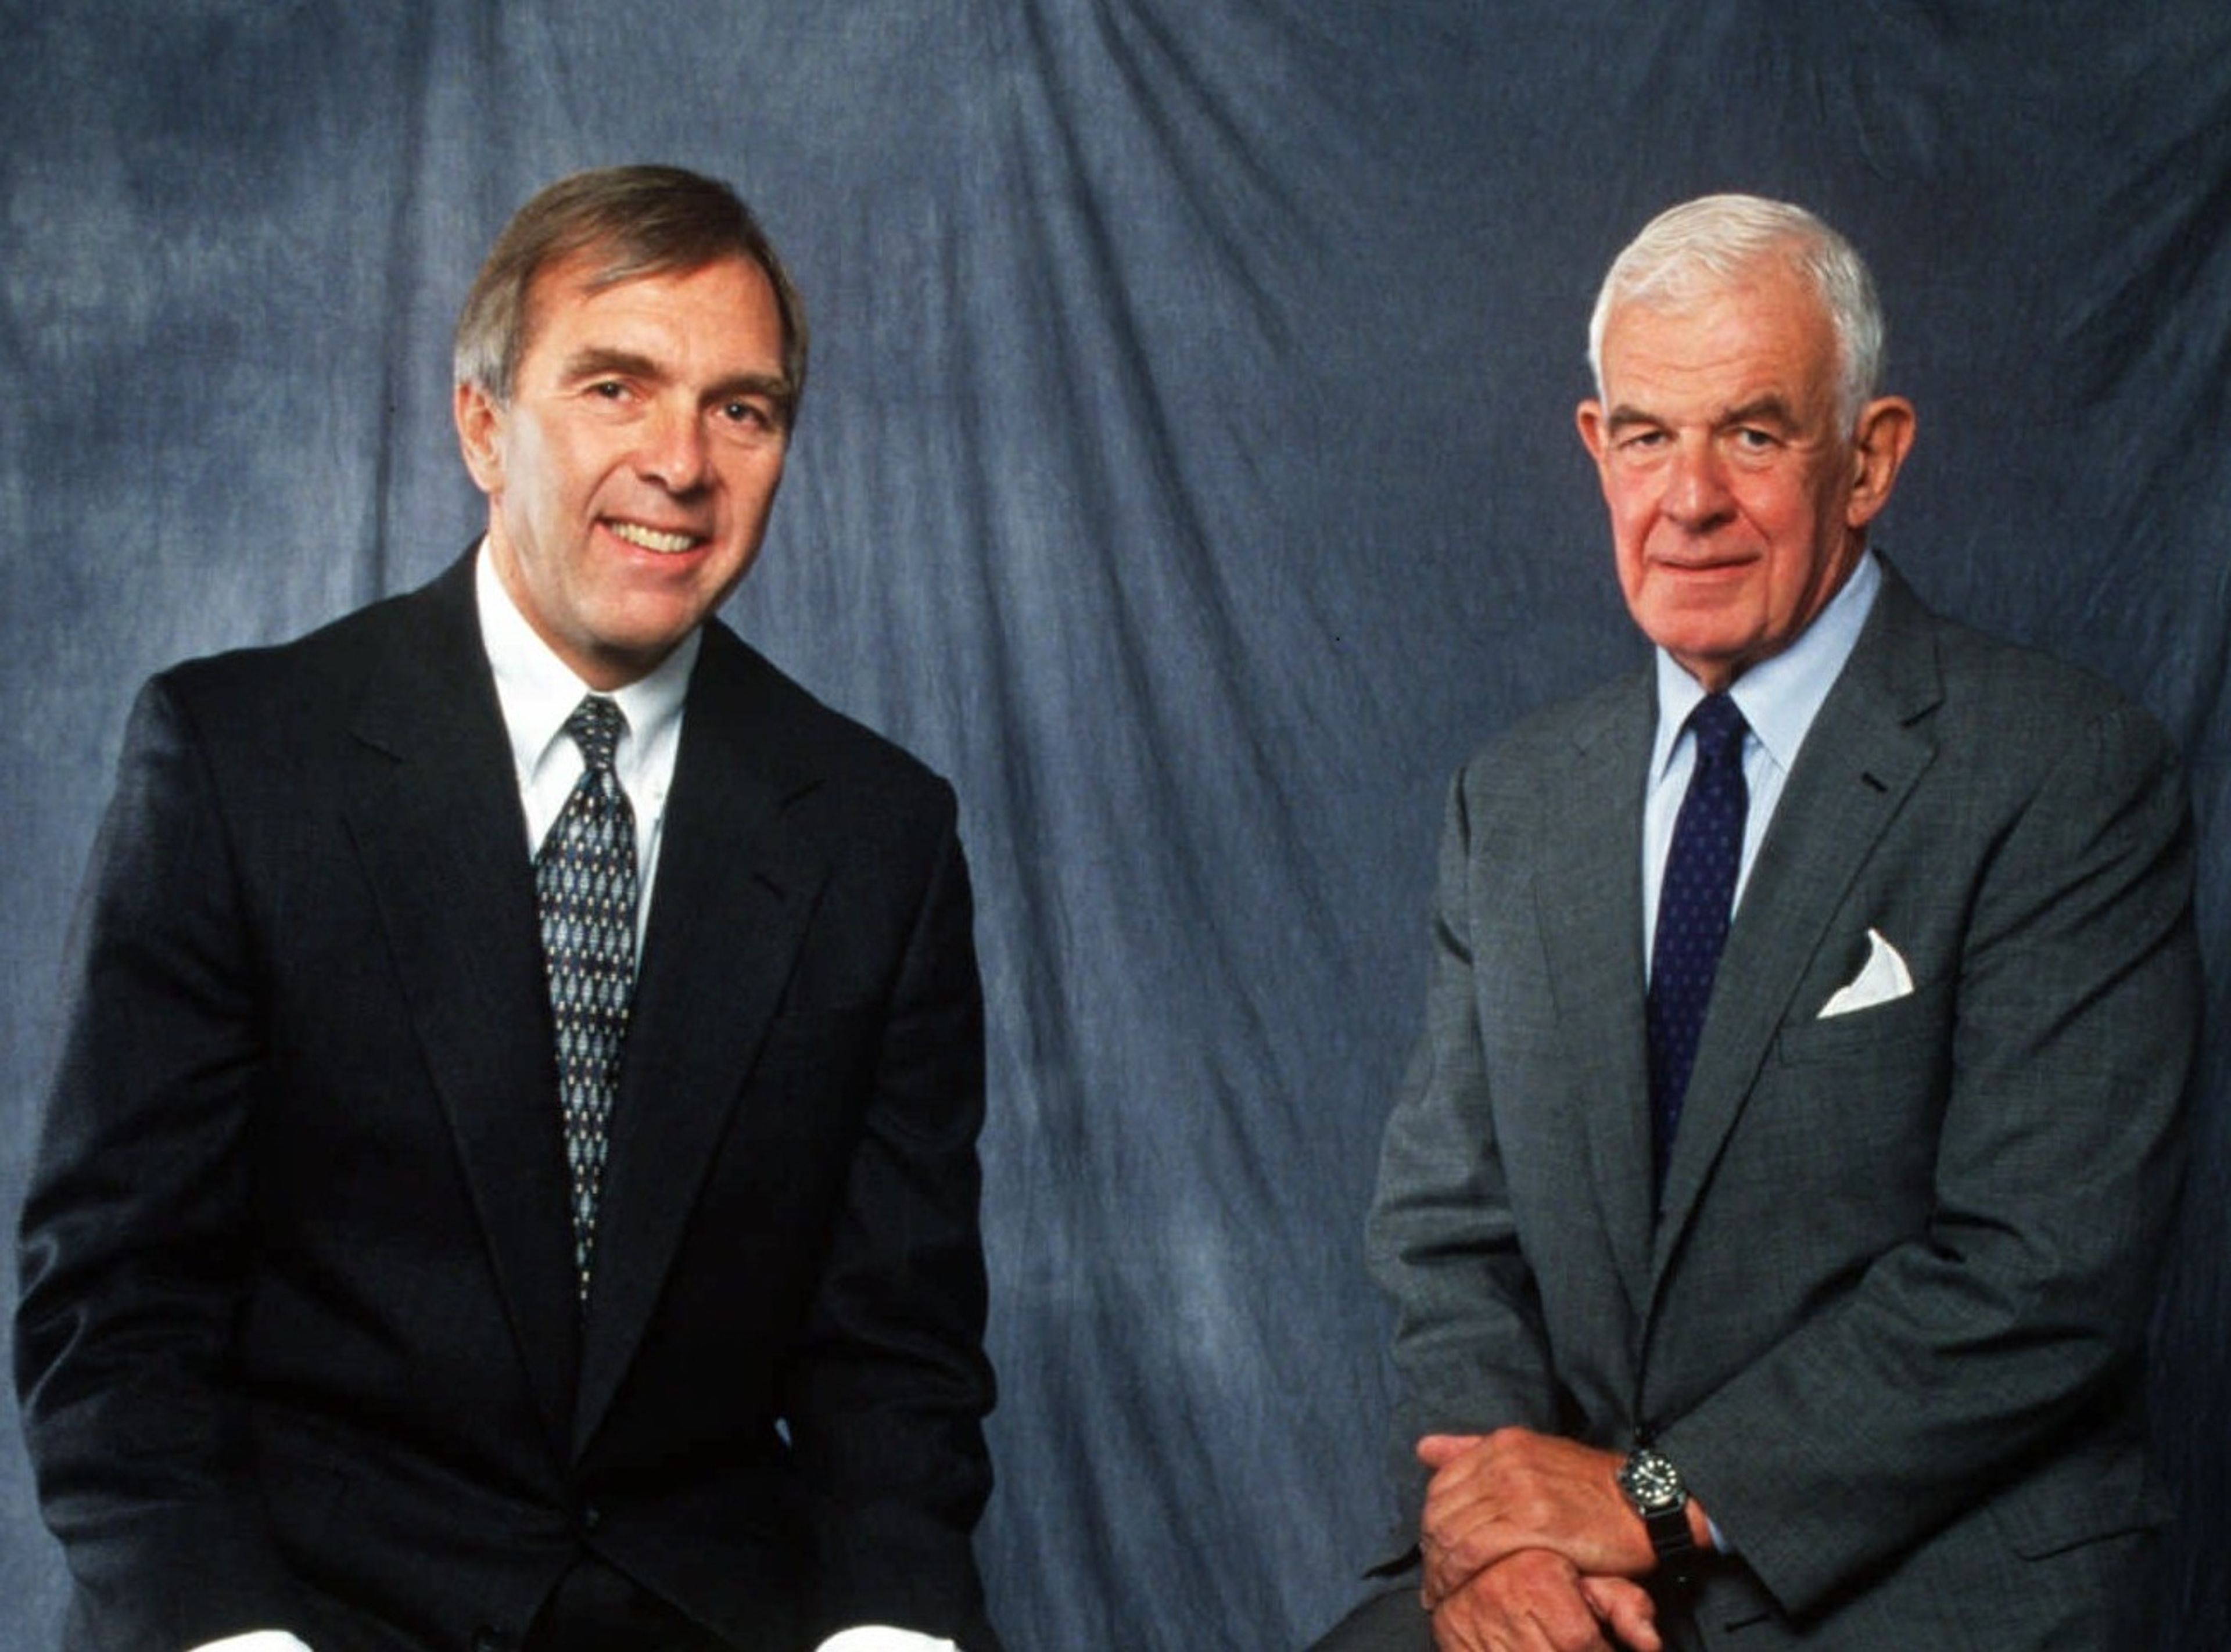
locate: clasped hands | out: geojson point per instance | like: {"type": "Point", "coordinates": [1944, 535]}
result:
{"type": "Point", "coordinates": [1529, 1546]}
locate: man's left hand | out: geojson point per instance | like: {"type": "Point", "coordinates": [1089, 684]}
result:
{"type": "Point", "coordinates": [1535, 1602]}
{"type": "Point", "coordinates": [1494, 1494]}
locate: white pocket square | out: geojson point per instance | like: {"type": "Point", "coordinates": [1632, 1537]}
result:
{"type": "Point", "coordinates": [1881, 978]}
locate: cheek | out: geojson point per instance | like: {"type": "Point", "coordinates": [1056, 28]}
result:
{"type": "Point", "coordinates": [1796, 539]}
{"type": "Point", "coordinates": [1632, 512]}
{"type": "Point", "coordinates": [1801, 508]}
{"type": "Point", "coordinates": [750, 490]}
{"type": "Point", "coordinates": [564, 464]}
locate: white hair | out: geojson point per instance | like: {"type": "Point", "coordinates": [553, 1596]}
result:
{"type": "Point", "coordinates": [1712, 242]}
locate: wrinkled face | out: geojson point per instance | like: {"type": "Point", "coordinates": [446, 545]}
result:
{"type": "Point", "coordinates": [1738, 503]}
{"type": "Point", "coordinates": [630, 475]}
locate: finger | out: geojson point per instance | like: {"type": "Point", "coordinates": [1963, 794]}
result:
{"type": "Point", "coordinates": [1450, 1566]}
{"type": "Point", "coordinates": [1628, 1610]}
{"type": "Point", "coordinates": [1463, 1631]}
{"type": "Point", "coordinates": [1531, 1603]}
{"type": "Point", "coordinates": [1439, 1450]}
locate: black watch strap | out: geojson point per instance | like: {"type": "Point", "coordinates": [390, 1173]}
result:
{"type": "Point", "coordinates": [1671, 1537]}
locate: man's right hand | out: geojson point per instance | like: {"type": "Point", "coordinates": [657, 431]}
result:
{"type": "Point", "coordinates": [1535, 1601]}
{"type": "Point", "coordinates": [1492, 1495]}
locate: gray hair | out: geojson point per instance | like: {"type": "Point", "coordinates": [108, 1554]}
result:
{"type": "Point", "coordinates": [1690, 250]}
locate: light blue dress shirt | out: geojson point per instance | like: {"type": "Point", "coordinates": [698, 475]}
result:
{"type": "Point", "coordinates": [1778, 697]}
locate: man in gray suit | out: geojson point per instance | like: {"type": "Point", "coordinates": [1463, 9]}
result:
{"type": "Point", "coordinates": [1772, 1206]}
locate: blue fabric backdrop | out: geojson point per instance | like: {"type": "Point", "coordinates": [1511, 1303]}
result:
{"type": "Point", "coordinates": [1189, 473]}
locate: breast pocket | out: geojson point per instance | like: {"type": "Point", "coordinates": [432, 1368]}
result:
{"type": "Point", "coordinates": [1897, 1032]}
{"type": "Point", "coordinates": [1866, 1088]}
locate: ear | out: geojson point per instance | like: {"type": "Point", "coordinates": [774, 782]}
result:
{"type": "Point", "coordinates": [1589, 415]}
{"type": "Point", "coordinates": [480, 420]}
{"type": "Point", "coordinates": [1878, 448]}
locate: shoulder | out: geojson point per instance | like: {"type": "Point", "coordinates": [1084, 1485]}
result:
{"type": "Point", "coordinates": [769, 719]}
{"type": "Point", "coordinates": [286, 693]}
{"type": "Point", "coordinates": [2006, 706]}
{"type": "Point", "coordinates": [1608, 711]}
{"type": "Point", "coordinates": [1574, 742]}
{"type": "Point", "coordinates": [429, 633]}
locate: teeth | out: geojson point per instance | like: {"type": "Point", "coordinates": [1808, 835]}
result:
{"type": "Point", "coordinates": [652, 538]}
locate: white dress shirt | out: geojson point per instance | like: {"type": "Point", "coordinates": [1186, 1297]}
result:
{"type": "Point", "coordinates": [538, 692]}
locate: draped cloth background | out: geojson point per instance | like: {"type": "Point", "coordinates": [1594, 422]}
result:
{"type": "Point", "coordinates": [1188, 471]}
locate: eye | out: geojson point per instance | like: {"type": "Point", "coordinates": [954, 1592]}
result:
{"type": "Point", "coordinates": [751, 412]}
{"type": "Point", "coordinates": [1751, 439]}
{"type": "Point", "coordinates": [608, 390]}
{"type": "Point", "coordinates": [750, 418]}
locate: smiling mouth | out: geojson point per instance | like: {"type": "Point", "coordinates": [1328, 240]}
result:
{"type": "Point", "coordinates": [649, 539]}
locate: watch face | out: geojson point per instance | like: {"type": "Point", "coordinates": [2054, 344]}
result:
{"type": "Point", "coordinates": [1650, 1480]}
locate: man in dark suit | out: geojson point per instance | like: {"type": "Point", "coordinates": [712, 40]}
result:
{"type": "Point", "coordinates": [511, 1177]}
{"type": "Point", "coordinates": [1780, 1280]}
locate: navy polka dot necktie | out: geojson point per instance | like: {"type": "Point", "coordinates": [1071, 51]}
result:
{"type": "Point", "coordinates": [584, 889]}
{"type": "Point", "coordinates": [1694, 901]}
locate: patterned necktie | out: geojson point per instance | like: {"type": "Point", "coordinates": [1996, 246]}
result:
{"type": "Point", "coordinates": [1694, 901]}
{"type": "Point", "coordinates": [584, 891]}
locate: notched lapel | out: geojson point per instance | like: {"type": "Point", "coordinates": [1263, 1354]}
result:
{"type": "Point", "coordinates": [435, 813]}
{"type": "Point", "coordinates": [1866, 752]}
{"type": "Point", "coordinates": [735, 892]}
{"type": "Point", "coordinates": [1588, 894]}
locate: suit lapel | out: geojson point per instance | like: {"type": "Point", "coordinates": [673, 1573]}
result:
{"type": "Point", "coordinates": [729, 909]}
{"type": "Point", "coordinates": [1588, 893]}
{"type": "Point", "coordinates": [1860, 760]}
{"type": "Point", "coordinates": [433, 806]}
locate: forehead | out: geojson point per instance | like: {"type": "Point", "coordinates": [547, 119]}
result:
{"type": "Point", "coordinates": [726, 307]}
{"type": "Point", "coordinates": [1764, 334]}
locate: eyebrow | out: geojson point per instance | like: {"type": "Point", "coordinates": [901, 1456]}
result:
{"type": "Point", "coordinates": [597, 360]}
{"type": "Point", "coordinates": [1763, 409]}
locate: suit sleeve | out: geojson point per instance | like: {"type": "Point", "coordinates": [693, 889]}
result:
{"type": "Point", "coordinates": [1976, 1359]}
{"type": "Point", "coordinates": [887, 1399]}
{"type": "Point", "coordinates": [1469, 1349]}
{"type": "Point", "coordinates": [133, 1226]}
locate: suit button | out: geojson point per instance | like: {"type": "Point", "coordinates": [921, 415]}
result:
{"type": "Point", "coordinates": [591, 1517]}
{"type": "Point", "coordinates": [488, 1640]}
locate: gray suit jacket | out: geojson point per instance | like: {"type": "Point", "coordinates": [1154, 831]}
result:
{"type": "Point", "coordinates": [1890, 1323]}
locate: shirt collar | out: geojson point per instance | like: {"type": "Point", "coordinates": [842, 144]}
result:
{"type": "Point", "coordinates": [538, 691]}
{"type": "Point", "coordinates": [1781, 695]}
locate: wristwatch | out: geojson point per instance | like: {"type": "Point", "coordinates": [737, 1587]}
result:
{"type": "Point", "coordinates": [1652, 1488]}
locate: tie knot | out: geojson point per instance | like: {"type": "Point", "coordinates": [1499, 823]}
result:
{"type": "Point", "coordinates": [595, 725]}
{"type": "Point", "coordinates": [1718, 726]}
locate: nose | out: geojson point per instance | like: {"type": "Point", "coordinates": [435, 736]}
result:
{"type": "Point", "coordinates": [1696, 494]}
{"type": "Point", "coordinates": [673, 454]}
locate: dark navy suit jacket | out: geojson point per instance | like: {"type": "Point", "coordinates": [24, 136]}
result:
{"type": "Point", "coordinates": [298, 1343]}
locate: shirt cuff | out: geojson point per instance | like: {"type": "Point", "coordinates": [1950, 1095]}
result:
{"type": "Point", "coordinates": [867, 1637]}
